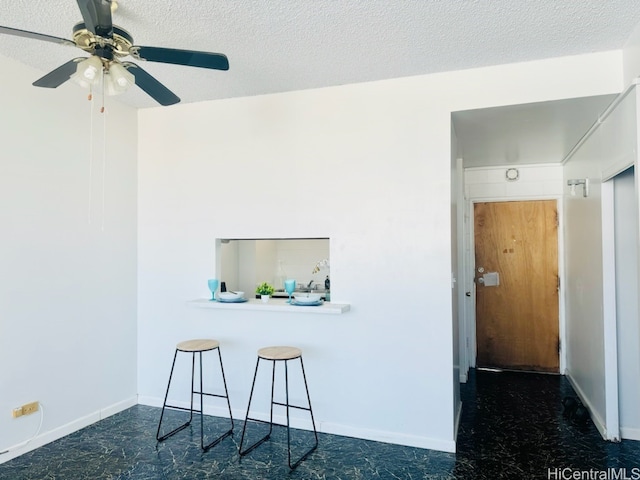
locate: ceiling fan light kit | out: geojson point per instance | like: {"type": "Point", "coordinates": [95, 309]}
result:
{"type": "Point", "coordinates": [108, 44]}
{"type": "Point", "coordinates": [88, 71]}
{"type": "Point", "coordinates": [118, 78]}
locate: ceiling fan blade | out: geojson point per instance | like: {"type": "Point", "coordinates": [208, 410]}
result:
{"type": "Point", "coordinates": [151, 86]}
{"type": "Point", "coordinates": [97, 16]}
{"type": "Point", "coordinates": [38, 36]}
{"type": "Point", "coordinates": [58, 76]}
{"type": "Point", "coordinates": [191, 58]}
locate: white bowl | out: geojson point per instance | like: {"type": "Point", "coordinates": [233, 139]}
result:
{"type": "Point", "coordinates": [307, 297]}
{"type": "Point", "coordinates": [230, 296]}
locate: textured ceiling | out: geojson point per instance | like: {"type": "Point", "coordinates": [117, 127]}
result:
{"type": "Point", "coordinates": [284, 45]}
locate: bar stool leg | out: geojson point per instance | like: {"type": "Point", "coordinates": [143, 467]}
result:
{"type": "Point", "coordinates": [313, 423]}
{"type": "Point", "coordinates": [164, 405]}
{"type": "Point", "coordinates": [201, 404]}
{"type": "Point", "coordinates": [273, 383]}
{"type": "Point", "coordinates": [226, 395]}
{"type": "Point", "coordinates": [287, 405]}
{"type": "Point", "coordinates": [247, 418]}
{"type": "Point", "coordinates": [224, 382]}
{"type": "Point", "coordinates": [193, 373]}
{"type": "Point", "coordinates": [286, 396]}
{"type": "Point", "coordinates": [191, 409]}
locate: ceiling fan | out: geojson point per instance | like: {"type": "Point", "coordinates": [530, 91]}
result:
{"type": "Point", "coordinates": [108, 44]}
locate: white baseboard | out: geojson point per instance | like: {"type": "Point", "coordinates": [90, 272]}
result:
{"type": "Point", "coordinates": [327, 427]}
{"type": "Point", "coordinates": [215, 410]}
{"type": "Point", "coordinates": [150, 401]}
{"type": "Point", "coordinates": [390, 437]}
{"type": "Point", "coordinates": [630, 433]}
{"type": "Point", "coordinates": [626, 433]}
{"type": "Point", "coordinates": [118, 407]}
{"type": "Point", "coordinates": [457, 424]}
{"type": "Point", "coordinates": [64, 430]}
{"type": "Point", "coordinates": [595, 416]}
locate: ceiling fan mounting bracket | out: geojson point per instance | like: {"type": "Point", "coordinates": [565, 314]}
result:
{"type": "Point", "coordinates": [119, 44]}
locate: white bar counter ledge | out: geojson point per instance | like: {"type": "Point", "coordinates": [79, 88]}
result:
{"type": "Point", "coordinates": [273, 305]}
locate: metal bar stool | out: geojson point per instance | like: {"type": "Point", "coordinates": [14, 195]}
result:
{"type": "Point", "coordinates": [279, 354]}
{"type": "Point", "coordinates": [193, 347]}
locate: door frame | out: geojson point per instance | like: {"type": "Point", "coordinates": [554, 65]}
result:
{"type": "Point", "coordinates": [470, 343]}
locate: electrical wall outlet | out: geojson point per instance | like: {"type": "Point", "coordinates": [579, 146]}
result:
{"type": "Point", "coordinates": [29, 408]}
{"type": "Point", "coordinates": [26, 409]}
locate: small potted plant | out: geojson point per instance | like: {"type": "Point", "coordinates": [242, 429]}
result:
{"type": "Point", "coordinates": [265, 291]}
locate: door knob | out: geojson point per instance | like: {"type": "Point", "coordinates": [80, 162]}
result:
{"type": "Point", "coordinates": [468, 294]}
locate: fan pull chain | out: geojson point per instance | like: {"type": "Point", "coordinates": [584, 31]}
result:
{"type": "Point", "coordinates": [104, 159]}
{"type": "Point", "coordinates": [103, 87]}
{"type": "Point", "coordinates": [90, 155]}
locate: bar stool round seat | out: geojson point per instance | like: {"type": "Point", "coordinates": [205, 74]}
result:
{"type": "Point", "coordinates": [197, 346]}
{"type": "Point", "coordinates": [279, 353]}
{"type": "Point", "coordinates": [275, 355]}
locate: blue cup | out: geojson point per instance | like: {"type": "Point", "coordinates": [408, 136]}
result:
{"type": "Point", "coordinates": [213, 286]}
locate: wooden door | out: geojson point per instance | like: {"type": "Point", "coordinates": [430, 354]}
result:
{"type": "Point", "coordinates": [517, 320]}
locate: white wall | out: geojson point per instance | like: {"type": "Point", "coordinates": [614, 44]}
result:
{"type": "Point", "coordinates": [312, 144]}
{"type": "Point", "coordinates": [68, 260]}
{"type": "Point", "coordinates": [457, 208]}
{"type": "Point", "coordinates": [626, 247]}
{"type": "Point", "coordinates": [266, 260]}
{"type": "Point", "coordinates": [297, 259]}
{"type": "Point", "coordinates": [590, 365]}
{"type": "Point", "coordinates": [583, 289]}
{"type": "Point", "coordinates": [380, 155]}
{"type": "Point", "coordinates": [534, 181]}
{"type": "Point", "coordinates": [631, 56]}
{"type": "Point", "coordinates": [229, 268]}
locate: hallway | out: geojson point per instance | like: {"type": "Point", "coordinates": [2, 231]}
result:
{"type": "Point", "coordinates": [512, 427]}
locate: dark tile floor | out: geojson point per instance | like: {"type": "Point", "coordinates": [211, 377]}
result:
{"type": "Point", "coordinates": [513, 427]}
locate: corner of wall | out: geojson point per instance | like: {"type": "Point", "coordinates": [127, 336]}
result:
{"type": "Point", "coordinates": [631, 57]}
